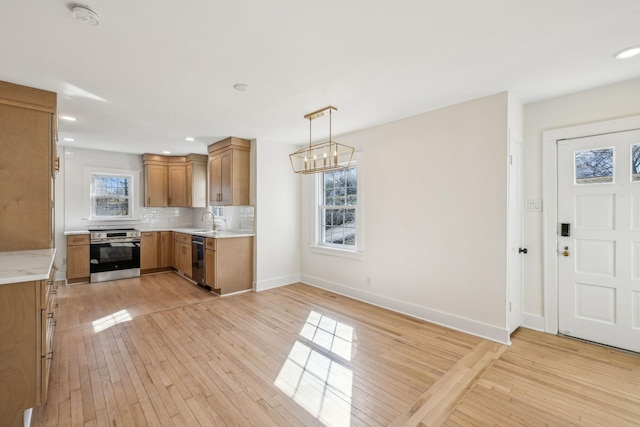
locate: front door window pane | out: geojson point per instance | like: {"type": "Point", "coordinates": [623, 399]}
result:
{"type": "Point", "coordinates": [594, 166]}
{"type": "Point", "coordinates": [635, 163]}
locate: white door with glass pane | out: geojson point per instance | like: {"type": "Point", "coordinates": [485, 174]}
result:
{"type": "Point", "coordinates": [599, 246]}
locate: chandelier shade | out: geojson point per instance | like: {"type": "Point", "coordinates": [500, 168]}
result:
{"type": "Point", "coordinates": [323, 156]}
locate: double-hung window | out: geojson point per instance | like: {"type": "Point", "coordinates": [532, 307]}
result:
{"type": "Point", "coordinates": [111, 196]}
{"type": "Point", "coordinates": [338, 211]}
{"type": "Point", "coordinates": [338, 208]}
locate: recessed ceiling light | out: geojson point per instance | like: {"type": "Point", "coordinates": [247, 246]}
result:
{"type": "Point", "coordinates": [85, 15]}
{"type": "Point", "coordinates": [628, 52]}
{"type": "Point", "coordinates": [166, 152]}
{"type": "Point", "coordinates": [68, 118]}
{"type": "Point", "coordinates": [69, 139]}
{"type": "Point", "coordinates": [189, 138]}
{"type": "Point", "coordinates": [241, 87]}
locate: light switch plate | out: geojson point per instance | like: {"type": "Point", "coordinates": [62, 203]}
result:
{"type": "Point", "coordinates": [534, 205]}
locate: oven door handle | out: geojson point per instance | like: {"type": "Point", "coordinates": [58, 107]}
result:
{"type": "Point", "coordinates": [110, 240]}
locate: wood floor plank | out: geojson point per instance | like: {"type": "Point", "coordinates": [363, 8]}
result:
{"type": "Point", "coordinates": [158, 351]}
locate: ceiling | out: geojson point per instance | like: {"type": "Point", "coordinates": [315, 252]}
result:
{"type": "Point", "coordinates": [153, 72]}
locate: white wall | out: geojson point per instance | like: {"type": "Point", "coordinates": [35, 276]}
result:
{"type": "Point", "coordinates": [595, 105]}
{"type": "Point", "coordinates": [277, 215]}
{"type": "Point", "coordinates": [435, 196]}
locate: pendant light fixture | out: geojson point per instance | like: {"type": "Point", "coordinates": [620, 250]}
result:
{"type": "Point", "coordinates": [323, 156]}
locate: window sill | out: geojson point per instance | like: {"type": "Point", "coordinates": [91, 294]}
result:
{"type": "Point", "coordinates": [344, 253]}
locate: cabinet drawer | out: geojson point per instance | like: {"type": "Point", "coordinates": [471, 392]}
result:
{"type": "Point", "coordinates": [47, 332]}
{"type": "Point", "coordinates": [183, 238]}
{"type": "Point", "coordinates": [79, 239]}
{"type": "Point", "coordinates": [46, 292]}
{"type": "Point", "coordinates": [44, 380]}
{"type": "Point", "coordinates": [211, 243]}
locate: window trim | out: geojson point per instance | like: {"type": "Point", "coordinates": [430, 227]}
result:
{"type": "Point", "coordinates": [89, 172]}
{"type": "Point", "coordinates": [356, 252]}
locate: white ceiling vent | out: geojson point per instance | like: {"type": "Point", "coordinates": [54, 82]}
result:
{"type": "Point", "coordinates": [85, 14]}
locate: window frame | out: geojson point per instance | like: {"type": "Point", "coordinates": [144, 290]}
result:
{"type": "Point", "coordinates": [89, 197]}
{"type": "Point", "coordinates": [354, 252]}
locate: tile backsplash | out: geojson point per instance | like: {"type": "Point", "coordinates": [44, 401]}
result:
{"type": "Point", "coordinates": [236, 218]}
{"type": "Point", "coordinates": [165, 217]}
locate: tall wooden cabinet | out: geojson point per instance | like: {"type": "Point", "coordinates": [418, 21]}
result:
{"type": "Point", "coordinates": [229, 172]}
{"type": "Point", "coordinates": [28, 163]}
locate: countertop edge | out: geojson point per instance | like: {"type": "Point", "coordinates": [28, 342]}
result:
{"type": "Point", "coordinates": [220, 234]}
{"type": "Point", "coordinates": [40, 270]}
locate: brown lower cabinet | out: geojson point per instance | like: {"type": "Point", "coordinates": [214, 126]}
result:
{"type": "Point", "coordinates": [156, 251]}
{"type": "Point", "coordinates": [182, 253]}
{"type": "Point", "coordinates": [166, 249]}
{"type": "Point", "coordinates": [229, 264]}
{"type": "Point", "coordinates": [149, 250]}
{"type": "Point", "coordinates": [78, 257]}
{"type": "Point", "coordinates": [228, 261]}
{"type": "Point", "coordinates": [27, 323]}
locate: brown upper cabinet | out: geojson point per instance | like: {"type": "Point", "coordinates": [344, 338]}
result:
{"type": "Point", "coordinates": [28, 163]}
{"type": "Point", "coordinates": [175, 181]}
{"type": "Point", "coordinates": [229, 172]}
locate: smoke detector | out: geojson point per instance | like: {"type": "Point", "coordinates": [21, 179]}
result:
{"type": "Point", "coordinates": [85, 14]}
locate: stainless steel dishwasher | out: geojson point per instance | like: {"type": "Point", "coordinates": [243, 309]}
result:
{"type": "Point", "coordinates": [197, 261]}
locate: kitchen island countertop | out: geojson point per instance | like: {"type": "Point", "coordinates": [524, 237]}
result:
{"type": "Point", "coordinates": [25, 266]}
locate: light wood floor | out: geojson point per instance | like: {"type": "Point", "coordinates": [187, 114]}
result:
{"type": "Point", "coordinates": [298, 355]}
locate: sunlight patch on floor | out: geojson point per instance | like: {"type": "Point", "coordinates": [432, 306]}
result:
{"type": "Point", "coordinates": [111, 320]}
{"type": "Point", "coordinates": [329, 334]}
{"type": "Point", "coordinates": [316, 382]}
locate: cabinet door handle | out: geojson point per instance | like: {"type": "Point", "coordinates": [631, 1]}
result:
{"type": "Point", "coordinates": [148, 200]}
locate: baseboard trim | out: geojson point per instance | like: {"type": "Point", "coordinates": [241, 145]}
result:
{"type": "Point", "coordinates": [447, 320]}
{"type": "Point", "coordinates": [533, 321]}
{"type": "Point", "coordinates": [263, 285]}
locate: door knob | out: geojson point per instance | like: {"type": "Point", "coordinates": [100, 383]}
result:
{"type": "Point", "coordinates": [522, 251]}
{"type": "Point", "coordinates": [566, 251]}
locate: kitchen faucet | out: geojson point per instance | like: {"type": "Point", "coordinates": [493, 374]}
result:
{"type": "Point", "coordinates": [213, 219]}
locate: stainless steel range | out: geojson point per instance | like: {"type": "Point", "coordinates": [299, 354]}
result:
{"type": "Point", "coordinates": [115, 254]}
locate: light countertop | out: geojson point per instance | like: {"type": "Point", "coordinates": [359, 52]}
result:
{"type": "Point", "coordinates": [75, 232]}
{"type": "Point", "coordinates": [219, 234]}
{"type": "Point", "coordinates": [25, 266]}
